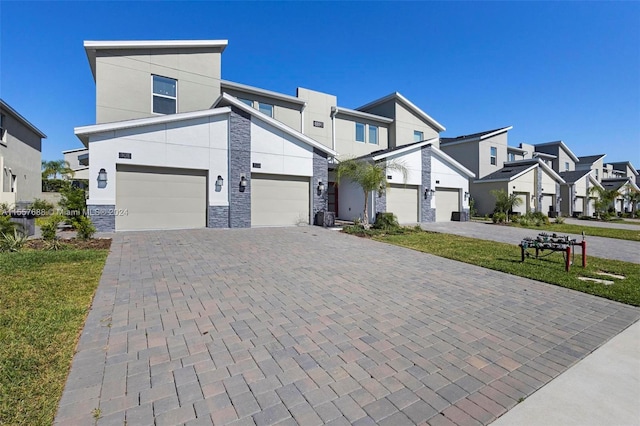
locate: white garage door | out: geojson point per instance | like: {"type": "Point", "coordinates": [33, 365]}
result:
{"type": "Point", "coordinates": [279, 200]}
{"type": "Point", "coordinates": [402, 201]}
{"type": "Point", "coordinates": [580, 206]}
{"type": "Point", "coordinates": [447, 201]}
{"type": "Point", "coordinates": [546, 203]}
{"type": "Point", "coordinates": [160, 198]}
{"type": "Point", "coordinates": [524, 203]}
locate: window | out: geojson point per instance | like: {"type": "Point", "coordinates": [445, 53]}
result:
{"type": "Point", "coordinates": [359, 132]}
{"type": "Point", "coordinates": [512, 156]}
{"type": "Point", "coordinates": [266, 109]}
{"type": "Point", "coordinates": [246, 101]}
{"type": "Point", "coordinates": [597, 174]}
{"type": "Point", "coordinates": [373, 135]}
{"type": "Point", "coordinates": [494, 155]}
{"type": "Point", "coordinates": [566, 166]}
{"type": "Point", "coordinates": [418, 136]}
{"type": "Point", "coordinates": [3, 129]}
{"type": "Point", "coordinates": [165, 96]}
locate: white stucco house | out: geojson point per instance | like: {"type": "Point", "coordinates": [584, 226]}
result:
{"type": "Point", "coordinates": [176, 146]}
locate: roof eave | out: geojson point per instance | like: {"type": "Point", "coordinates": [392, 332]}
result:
{"type": "Point", "coordinates": [5, 106]}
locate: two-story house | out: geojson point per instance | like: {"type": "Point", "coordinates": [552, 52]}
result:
{"type": "Point", "coordinates": [20, 158]}
{"type": "Point", "coordinates": [175, 146]}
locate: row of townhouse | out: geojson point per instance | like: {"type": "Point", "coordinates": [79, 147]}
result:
{"type": "Point", "coordinates": [176, 146]}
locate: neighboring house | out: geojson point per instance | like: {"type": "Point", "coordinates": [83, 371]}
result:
{"type": "Point", "coordinates": [623, 185]}
{"type": "Point", "coordinates": [78, 160]}
{"type": "Point", "coordinates": [592, 162]}
{"type": "Point", "coordinates": [557, 155]}
{"type": "Point", "coordinates": [535, 183]}
{"type": "Point", "coordinates": [175, 146]}
{"type": "Point", "coordinates": [577, 198]}
{"type": "Point", "coordinates": [20, 158]}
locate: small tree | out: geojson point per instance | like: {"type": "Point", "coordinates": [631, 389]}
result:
{"type": "Point", "coordinates": [632, 196]}
{"type": "Point", "coordinates": [56, 169]}
{"type": "Point", "coordinates": [369, 175]}
{"type": "Point", "coordinates": [505, 202]}
{"type": "Point", "coordinates": [605, 198]}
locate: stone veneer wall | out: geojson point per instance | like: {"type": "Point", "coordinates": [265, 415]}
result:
{"type": "Point", "coordinates": [320, 174]}
{"type": "Point", "coordinates": [103, 217]}
{"type": "Point", "coordinates": [218, 217]}
{"type": "Point", "coordinates": [539, 172]}
{"type": "Point", "coordinates": [381, 202]}
{"type": "Point", "coordinates": [239, 165]}
{"type": "Point", "coordinates": [428, 214]}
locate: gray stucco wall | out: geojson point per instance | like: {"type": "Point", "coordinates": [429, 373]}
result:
{"type": "Point", "coordinates": [320, 174]}
{"type": "Point", "coordinates": [103, 217]}
{"type": "Point", "coordinates": [218, 217]}
{"type": "Point", "coordinates": [239, 165]}
{"type": "Point", "coordinates": [428, 214]}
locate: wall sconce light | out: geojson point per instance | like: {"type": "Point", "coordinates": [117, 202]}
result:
{"type": "Point", "coordinates": [429, 191]}
{"type": "Point", "coordinates": [243, 183]}
{"type": "Point", "coordinates": [320, 187]}
{"type": "Point", "coordinates": [559, 199]}
{"type": "Point", "coordinates": [466, 195]}
{"type": "Point", "coordinates": [102, 178]}
{"type": "Point", "coordinates": [219, 181]}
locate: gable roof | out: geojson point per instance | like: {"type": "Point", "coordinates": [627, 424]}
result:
{"type": "Point", "coordinates": [559, 144]}
{"type": "Point", "coordinates": [91, 47]}
{"type": "Point", "coordinates": [476, 136]}
{"type": "Point", "coordinates": [622, 166]}
{"type": "Point", "coordinates": [397, 97]}
{"type": "Point", "coordinates": [514, 169]}
{"type": "Point", "coordinates": [590, 159]}
{"type": "Point", "coordinates": [574, 176]}
{"type": "Point", "coordinates": [617, 183]}
{"type": "Point", "coordinates": [360, 114]}
{"type": "Point", "coordinates": [228, 100]}
{"type": "Point", "coordinates": [226, 84]}
{"type": "Point", "coordinates": [5, 107]}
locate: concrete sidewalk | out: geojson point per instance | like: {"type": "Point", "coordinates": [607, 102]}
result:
{"type": "Point", "coordinates": [602, 389]}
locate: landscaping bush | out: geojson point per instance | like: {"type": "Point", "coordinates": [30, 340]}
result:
{"type": "Point", "coordinates": [559, 220]}
{"type": "Point", "coordinates": [74, 203]}
{"type": "Point", "coordinates": [499, 217]}
{"type": "Point", "coordinates": [12, 241]}
{"type": "Point", "coordinates": [386, 221]}
{"type": "Point", "coordinates": [84, 227]}
{"type": "Point", "coordinates": [41, 207]}
{"type": "Point", "coordinates": [49, 226]}
{"type": "Point", "coordinates": [6, 226]}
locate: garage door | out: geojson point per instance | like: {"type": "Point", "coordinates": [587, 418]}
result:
{"type": "Point", "coordinates": [546, 203]}
{"type": "Point", "coordinates": [580, 206]}
{"type": "Point", "coordinates": [447, 201]}
{"type": "Point", "coordinates": [160, 198]}
{"type": "Point", "coordinates": [402, 201]}
{"type": "Point", "coordinates": [524, 203]}
{"type": "Point", "coordinates": [279, 200]}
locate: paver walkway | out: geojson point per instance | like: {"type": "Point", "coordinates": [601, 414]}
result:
{"type": "Point", "coordinates": [309, 326]}
{"type": "Point", "coordinates": [606, 248]}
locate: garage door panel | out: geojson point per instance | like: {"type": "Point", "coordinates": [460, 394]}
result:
{"type": "Point", "coordinates": [522, 207]}
{"type": "Point", "coordinates": [279, 200]}
{"type": "Point", "coordinates": [160, 198]}
{"type": "Point", "coordinates": [402, 201]}
{"type": "Point", "coordinates": [447, 201]}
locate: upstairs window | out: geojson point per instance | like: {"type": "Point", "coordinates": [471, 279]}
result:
{"type": "Point", "coordinates": [165, 95]}
{"type": "Point", "coordinates": [266, 109]}
{"type": "Point", "coordinates": [512, 156]}
{"type": "Point", "coordinates": [566, 166]}
{"type": "Point", "coordinates": [373, 135]}
{"type": "Point", "coordinates": [597, 177]}
{"type": "Point", "coordinates": [494, 155]}
{"type": "Point", "coordinates": [246, 101]}
{"type": "Point", "coordinates": [3, 129]}
{"type": "Point", "coordinates": [359, 132]}
{"type": "Point", "coordinates": [418, 136]}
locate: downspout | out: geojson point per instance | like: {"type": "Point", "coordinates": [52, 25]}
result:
{"type": "Point", "coordinates": [304, 106]}
{"type": "Point", "coordinates": [334, 111]}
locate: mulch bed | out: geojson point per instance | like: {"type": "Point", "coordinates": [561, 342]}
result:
{"type": "Point", "coordinates": [71, 243]}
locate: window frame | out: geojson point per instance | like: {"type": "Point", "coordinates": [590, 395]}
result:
{"type": "Point", "coordinates": [154, 94]}
{"type": "Point", "coordinates": [3, 129]}
{"type": "Point", "coordinates": [247, 102]}
{"type": "Point", "coordinates": [364, 132]}
{"type": "Point", "coordinates": [566, 166]}
{"type": "Point", "coordinates": [419, 134]}
{"type": "Point", "coordinates": [377, 133]}
{"type": "Point", "coordinates": [493, 156]}
{"type": "Point", "coordinates": [511, 156]}
{"type": "Point", "coordinates": [272, 107]}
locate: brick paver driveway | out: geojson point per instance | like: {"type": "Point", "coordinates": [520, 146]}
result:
{"type": "Point", "coordinates": [309, 326]}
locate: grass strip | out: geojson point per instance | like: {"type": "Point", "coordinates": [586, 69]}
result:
{"type": "Point", "coordinates": [44, 299]}
{"type": "Point", "coordinates": [506, 258]}
{"type": "Point", "coordinates": [564, 228]}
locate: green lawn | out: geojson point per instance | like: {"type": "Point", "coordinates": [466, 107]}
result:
{"type": "Point", "coordinates": [44, 299]}
{"type": "Point", "coordinates": [621, 234]}
{"type": "Point", "coordinates": [506, 258]}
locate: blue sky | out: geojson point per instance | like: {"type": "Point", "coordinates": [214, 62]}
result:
{"type": "Point", "coordinates": [555, 70]}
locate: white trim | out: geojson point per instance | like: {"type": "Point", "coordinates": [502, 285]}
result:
{"type": "Point", "coordinates": [84, 132]}
{"type": "Point", "coordinates": [497, 132]}
{"type": "Point", "coordinates": [466, 139]}
{"type": "Point", "coordinates": [5, 107]}
{"type": "Point", "coordinates": [70, 151]}
{"type": "Point", "coordinates": [508, 179]}
{"type": "Point", "coordinates": [154, 94]}
{"type": "Point", "coordinates": [418, 111]}
{"type": "Point", "coordinates": [275, 123]}
{"type": "Point", "coordinates": [403, 150]}
{"type": "Point", "coordinates": [365, 115]}
{"type": "Point", "coordinates": [262, 92]}
{"type": "Point", "coordinates": [562, 144]}
{"type": "Point", "coordinates": [153, 44]}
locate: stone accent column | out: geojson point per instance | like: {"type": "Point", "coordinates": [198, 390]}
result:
{"type": "Point", "coordinates": [218, 217]}
{"type": "Point", "coordinates": [381, 202]}
{"type": "Point", "coordinates": [428, 214]}
{"type": "Point", "coordinates": [587, 206]}
{"type": "Point", "coordinates": [538, 188]}
{"type": "Point", "coordinates": [320, 174]}
{"type": "Point", "coordinates": [103, 217]}
{"type": "Point", "coordinates": [557, 206]}
{"type": "Point", "coordinates": [239, 165]}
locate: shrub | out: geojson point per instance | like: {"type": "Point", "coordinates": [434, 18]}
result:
{"type": "Point", "coordinates": [386, 221]}
{"type": "Point", "coordinates": [49, 226]}
{"type": "Point", "coordinates": [499, 217]}
{"type": "Point", "coordinates": [559, 220]}
{"type": "Point", "coordinates": [6, 226]}
{"type": "Point", "coordinates": [84, 227]}
{"type": "Point", "coordinates": [41, 207]}
{"type": "Point", "coordinates": [12, 241]}
{"type": "Point", "coordinates": [74, 202]}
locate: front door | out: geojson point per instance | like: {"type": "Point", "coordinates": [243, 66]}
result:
{"type": "Point", "coordinates": [333, 198]}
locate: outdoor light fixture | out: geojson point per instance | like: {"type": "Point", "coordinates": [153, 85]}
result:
{"type": "Point", "coordinates": [429, 191]}
{"type": "Point", "coordinates": [320, 187]}
{"type": "Point", "coordinates": [102, 178]}
{"type": "Point", "coordinates": [243, 182]}
{"type": "Point", "coordinates": [559, 199]}
{"type": "Point", "coordinates": [466, 195]}
{"type": "Point", "coordinates": [219, 181]}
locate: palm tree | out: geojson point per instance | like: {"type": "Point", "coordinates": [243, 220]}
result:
{"type": "Point", "coordinates": [605, 198]}
{"type": "Point", "coordinates": [369, 175]}
{"type": "Point", "coordinates": [505, 202]}
{"type": "Point", "coordinates": [633, 198]}
{"type": "Point", "coordinates": [56, 168]}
